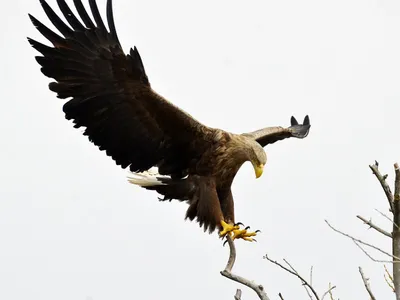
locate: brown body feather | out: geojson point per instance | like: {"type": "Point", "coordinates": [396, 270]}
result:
{"type": "Point", "coordinates": [112, 98]}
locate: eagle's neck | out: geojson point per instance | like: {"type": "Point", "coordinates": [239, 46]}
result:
{"type": "Point", "coordinates": [235, 154]}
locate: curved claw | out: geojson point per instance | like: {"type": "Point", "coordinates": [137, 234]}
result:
{"type": "Point", "coordinates": [257, 231]}
{"type": "Point", "coordinates": [239, 223]}
{"type": "Point", "coordinates": [248, 227]}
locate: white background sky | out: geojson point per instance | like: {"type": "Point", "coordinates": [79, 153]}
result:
{"type": "Point", "coordinates": [71, 227]}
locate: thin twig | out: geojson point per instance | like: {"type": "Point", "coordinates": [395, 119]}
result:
{"type": "Point", "coordinates": [377, 228]}
{"type": "Point", "coordinates": [305, 285]}
{"type": "Point", "coordinates": [386, 217]}
{"type": "Point", "coordinates": [293, 272]}
{"type": "Point", "coordinates": [389, 279]}
{"type": "Point", "coordinates": [360, 241]}
{"type": "Point", "coordinates": [328, 292]}
{"type": "Point", "coordinates": [370, 256]}
{"type": "Point", "coordinates": [366, 284]}
{"type": "Point", "coordinates": [384, 184]}
{"type": "Point", "coordinates": [259, 289]}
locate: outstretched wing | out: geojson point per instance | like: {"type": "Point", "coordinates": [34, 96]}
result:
{"type": "Point", "coordinates": [271, 135]}
{"type": "Point", "coordinates": [111, 94]}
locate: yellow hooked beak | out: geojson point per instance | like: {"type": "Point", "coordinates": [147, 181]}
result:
{"type": "Point", "coordinates": [258, 170]}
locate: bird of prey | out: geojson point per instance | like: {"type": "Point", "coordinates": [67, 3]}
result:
{"type": "Point", "coordinates": [109, 94]}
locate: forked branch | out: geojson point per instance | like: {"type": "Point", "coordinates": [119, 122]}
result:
{"type": "Point", "coordinates": [384, 184]}
{"type": "Point", "coordinates": [311, 292]}
{"type": "Point", "coordinates": [394, 207]}
{"type": "Point", "coordinates": [227, 272]}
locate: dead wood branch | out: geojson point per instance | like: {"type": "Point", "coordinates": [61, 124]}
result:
{"type": "Point", "coordinates": [366, 284]}
{"type": "Point", "coordinates": [385, 216]}
{"type": "Point", "coordinates": [238, 295]}
{"type": "Point", "coordinates": [358, 241]}
{"type": "Point", "coordinates": [377, 228]}
{"type": "Point", "coordinates": [295, 273]}
{"type": "Point", "coordinates": [227, 272]}
{"type": "Point", "coordinates": [389, 279]}
{"type": "Point", "coordinates": [370, 256]}
{"type": "Point", "coordinates": [328, 292]}
{"type": "Point", "coordinates": [382, 179]}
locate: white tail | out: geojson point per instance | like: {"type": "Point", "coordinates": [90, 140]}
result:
{"type": "Point", "coordinates": [147, 178]}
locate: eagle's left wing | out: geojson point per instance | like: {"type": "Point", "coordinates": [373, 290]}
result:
{"type": "Point", "coordinates": [271, 135]}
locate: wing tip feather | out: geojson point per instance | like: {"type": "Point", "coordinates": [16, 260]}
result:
{"type": "Point", "coordinates": [300, 130]}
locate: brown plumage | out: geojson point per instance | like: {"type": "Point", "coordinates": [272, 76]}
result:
{"type": "Point", "coordinates": [111, 97]}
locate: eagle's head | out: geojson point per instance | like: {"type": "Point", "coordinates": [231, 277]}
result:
{"type": "Point", "coordinates": [252, 151]}
{"type": "Point", "coordinates": [258, 157]}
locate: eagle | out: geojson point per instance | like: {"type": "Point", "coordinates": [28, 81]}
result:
{"type": "Point", "coordinates": [110, 96]}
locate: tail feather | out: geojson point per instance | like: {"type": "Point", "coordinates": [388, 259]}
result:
{"type": "Point", "coordinates": [148, 178]}
{"type": "Point", "coordinates": [179, 189]}
{"type": "Point", "coordinates": [194, 190]}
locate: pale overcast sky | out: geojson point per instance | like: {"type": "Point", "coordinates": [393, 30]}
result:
{"type": "Point", "coordinates": [71, 227]}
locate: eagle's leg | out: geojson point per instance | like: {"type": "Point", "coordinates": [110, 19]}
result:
{"type": "Point", "coordinates": [227, 228]}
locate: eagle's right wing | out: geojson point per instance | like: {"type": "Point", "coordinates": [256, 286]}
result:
{"type": "Point", "coordinates": [271, 135]}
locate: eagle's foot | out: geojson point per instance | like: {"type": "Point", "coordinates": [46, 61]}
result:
{"type": "Point", "coordinates": [227, 228]}
{"type": "Point", "coordinates": [244, 234]}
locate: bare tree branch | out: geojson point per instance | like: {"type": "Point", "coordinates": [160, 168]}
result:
{"type": "Point", "coordinates": [360, 241]}
{"type": "Point", "coordinates": [305, 285]}
{"type": "Point", "coordinates": [396, 196]}
{"type": "Point", "coordinates": [396, 232]}
{"type": "Point", "coordinates": [259, 289]}
{"type": "Point", "coordinates": [389, 279]}
{"type": "Point", "coordinates": [385, 216]}
{"type": "Point", "coordinates": [370, 256]}
{"type": "Point", "coordinates": [238, 295]}
{"type": "Point", "coordinates": [385, 186]}
{"type": "Point", "coordinates": [372, 225]}
{"type": "Point", "coordinates": [295, 273]}
{"type": "Point", "coordinates": [328, 292]}
{"type": "Point", "coordinates": [366, 284]}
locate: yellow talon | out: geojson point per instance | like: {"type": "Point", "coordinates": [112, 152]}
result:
{"type": "Point", "coordinates": [227, 228]}
{"type": "Point", "coordinates": [243, 234]}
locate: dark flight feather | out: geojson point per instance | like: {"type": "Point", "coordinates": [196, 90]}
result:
{"type": "Point", "coordinates": [110, 20]}
{"type": "Point", "coordinates": [96, 15]}
{"type": "Point", "coordinates": [83, 14]}
{"type": "Point", "coordinates": [69, 16]}
{"type": "Point", "coordinates": [57, 22]}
